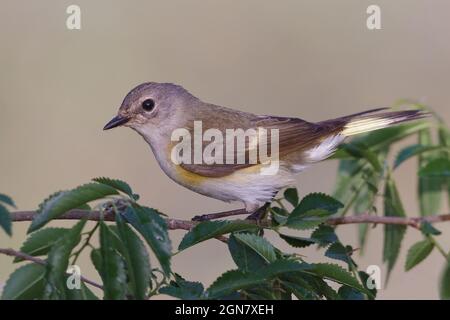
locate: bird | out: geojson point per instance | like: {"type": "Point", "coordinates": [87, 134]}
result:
{"type": "Point", "coordinates": [157, 110]}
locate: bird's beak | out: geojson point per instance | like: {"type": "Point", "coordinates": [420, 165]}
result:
{"type": "Point", "coordinates": [116, 121]}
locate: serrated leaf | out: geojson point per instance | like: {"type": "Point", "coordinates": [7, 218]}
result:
{"type": "Point", "coordinates": [25, 283]}
{"type": "Point", "coordinates": [338, 252]}
{"type": "Point", "coordinates": [210, 229]}
{"type": "Point", "coordinates": [153, 228]}
{"type": "Point", "coordinates": [182, 289]}
{"type": "Point", "coordinates": [243, 256]}
{"type": "Point", "coordinates": [116, 184]}
{"type": "Point", "coordinates": [259, 245]}
{"type": "Point", "coordinates": [112, 267]}
{"type": "Point", "coordinates": [7, 200]}
{"type": "Point", "coordinates": [5, 220]}
{"type": "Point", "coordinates": [439, 167]}
{"type": "Point", "coordinates": [337, 274]}
{"type": "Point", "coordinates": [324, 235]}
{"type": "Point", "coordinates": [291, 196]}
{"type": "Point", "coordinates": [299, 291]}
{"type": "Point", "coordinates": [417, 253]}
{"type": "Point", "coordinates": [67, 200]}
{"type": "Point", "coordinates": [393, 234]}
{"type": "Point", "coordinates": [297, 242]}
{"type": "Point", "coordinates": [315, 286]}
{"type": "Point", "coordinates": [40, 242]}
{"type": "Point", "coordinates": [444, 288]}
{"type": "Point", "coordinates": [58, 261]}
{"type": "Point", "coordinates": [137, 259]}
{"type": "Point", "coordinates": [233, 280]}
{"type": "Point", "coordinates": [307, 220]}
{"type": "Point", "coordinates": [317, 201]}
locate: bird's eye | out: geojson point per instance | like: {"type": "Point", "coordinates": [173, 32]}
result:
{"type": "Point", "coordinates": [148, 105]}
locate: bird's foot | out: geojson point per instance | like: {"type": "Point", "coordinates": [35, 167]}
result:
{"type": "Point", "coordinates": [218, 215]}
{"type": "Point", "coordinates": [260, 213]}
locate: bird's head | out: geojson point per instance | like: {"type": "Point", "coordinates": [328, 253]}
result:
{"type": "Point", "coordinates": [151, 105]}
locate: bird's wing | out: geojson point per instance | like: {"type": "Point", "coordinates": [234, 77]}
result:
{"type": "Point", "coordinates": [294, 135]}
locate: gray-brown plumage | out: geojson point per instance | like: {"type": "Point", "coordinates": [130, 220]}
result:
{"type": "Point", "coordinates": [155, 110]}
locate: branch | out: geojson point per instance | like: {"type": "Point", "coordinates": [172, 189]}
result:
{"type": "Point", "coordinates": [366, 218]}
{"type": "Point", "coordinates": [173, 224]}
{"type": "Point", "coordinates": [24, 256]}
{"type": "Point", "coordinates": [177, 224]}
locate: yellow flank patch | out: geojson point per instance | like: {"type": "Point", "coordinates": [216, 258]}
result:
{"type": "Point", "coordinates": [189, 177]}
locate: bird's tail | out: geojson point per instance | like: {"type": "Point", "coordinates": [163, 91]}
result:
{"type": "Point", "coordinates": [370, 120]}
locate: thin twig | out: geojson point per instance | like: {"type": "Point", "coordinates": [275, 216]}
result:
{"type": "Point", "coordinates": [177, 224]}
{"type": "Point", "coordinates": [24, 256]}
{"type": "Point", "coordinates": [367, 218]}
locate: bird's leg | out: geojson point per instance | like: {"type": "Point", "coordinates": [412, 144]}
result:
{"type": "Point", "coordinates": [259, 213]}
{"type": "Point", "coordinates": [218, 215]}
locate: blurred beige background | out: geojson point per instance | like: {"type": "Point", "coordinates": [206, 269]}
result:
{"type": "Point", "coordinates": [311, 59]}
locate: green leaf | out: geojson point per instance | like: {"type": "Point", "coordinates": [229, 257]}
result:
{"type": "Point", "coordinates": [444, 289]}
{"type": "Point", "coordinates": [324, 235]}
{"type": "Point", "coordinates": [414, 150]}
{"type": "Point", "coordinates": [182, 289]}
{"type": "Point", "coordinates": [317, 201]}
{"type": "Point", "coordinates": [363, 152]}
{"type": "Point", "coordinates": [291, 196]}
{"type": "Point", "coordinates": [58, 261]}
{"type": "Point", "coordinates": [210, 229]}
{"type": "Point", "coordinates": [258, 244]}
{"type": "Point", "coordinates": [7, 200]}
{"type": "Point", "coordinates": [428, 229]}
{"type": "Point", "coordinates": [429, 188]}
{"type": "Point", "coordinates": [418, 252]}
{"type": "Point", "coordinates": [280, 215]}
{"type": "Point", "coordinates": [245, 258]}
{"type": "Point", "coordinates": [349, 176]}
{"type": "Point", "coordinates": [308, 286]}
{"type": "Point", "coordinates": [40, 242]}
{"type": "Point", "coordinates": [116, 184]}
{"type": "Point", "coordinates": [112, 267]}
{"type": "Point", "coordinates": [84, 293]}
{"type": "Point", "coordinates": [308, 220]}
{"type": "Point", "coordinates": [439, 167]}
{"type": "Point", "coordinates": [154, 230]}
{"type": "Point", "coordinates": [338, 252]}
{"type": "Point", "coordinates": [25, 283]}
{"type": "Point", "coordinates": [365, 280]}
{"type": "Point", "coordinates": [67, 200]}
{"type": "Point", "coordinates": [348, 293]}
{"type": "Point", "coordinates": [337, 274]}
{"type": "Point", "coordinates": [5, 220]}
{"type": "Point", "coordinates": [393, 234]}
{"type": "Point", "coordinates": [136, 258]}
{"type": "Point", "coordinates": [234, 280]}
{"type": "Point", "coordinates": [297, 242]}
{"type": "Point", "coordinates": [96, 258]}
{"type": "Point", "coordinates": [299, 291]}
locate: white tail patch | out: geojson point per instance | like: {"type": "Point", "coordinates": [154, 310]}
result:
{"type": "Point", "coordinates": [324, 149]}
{"type": "Point", "coordinates": [366, 125]}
